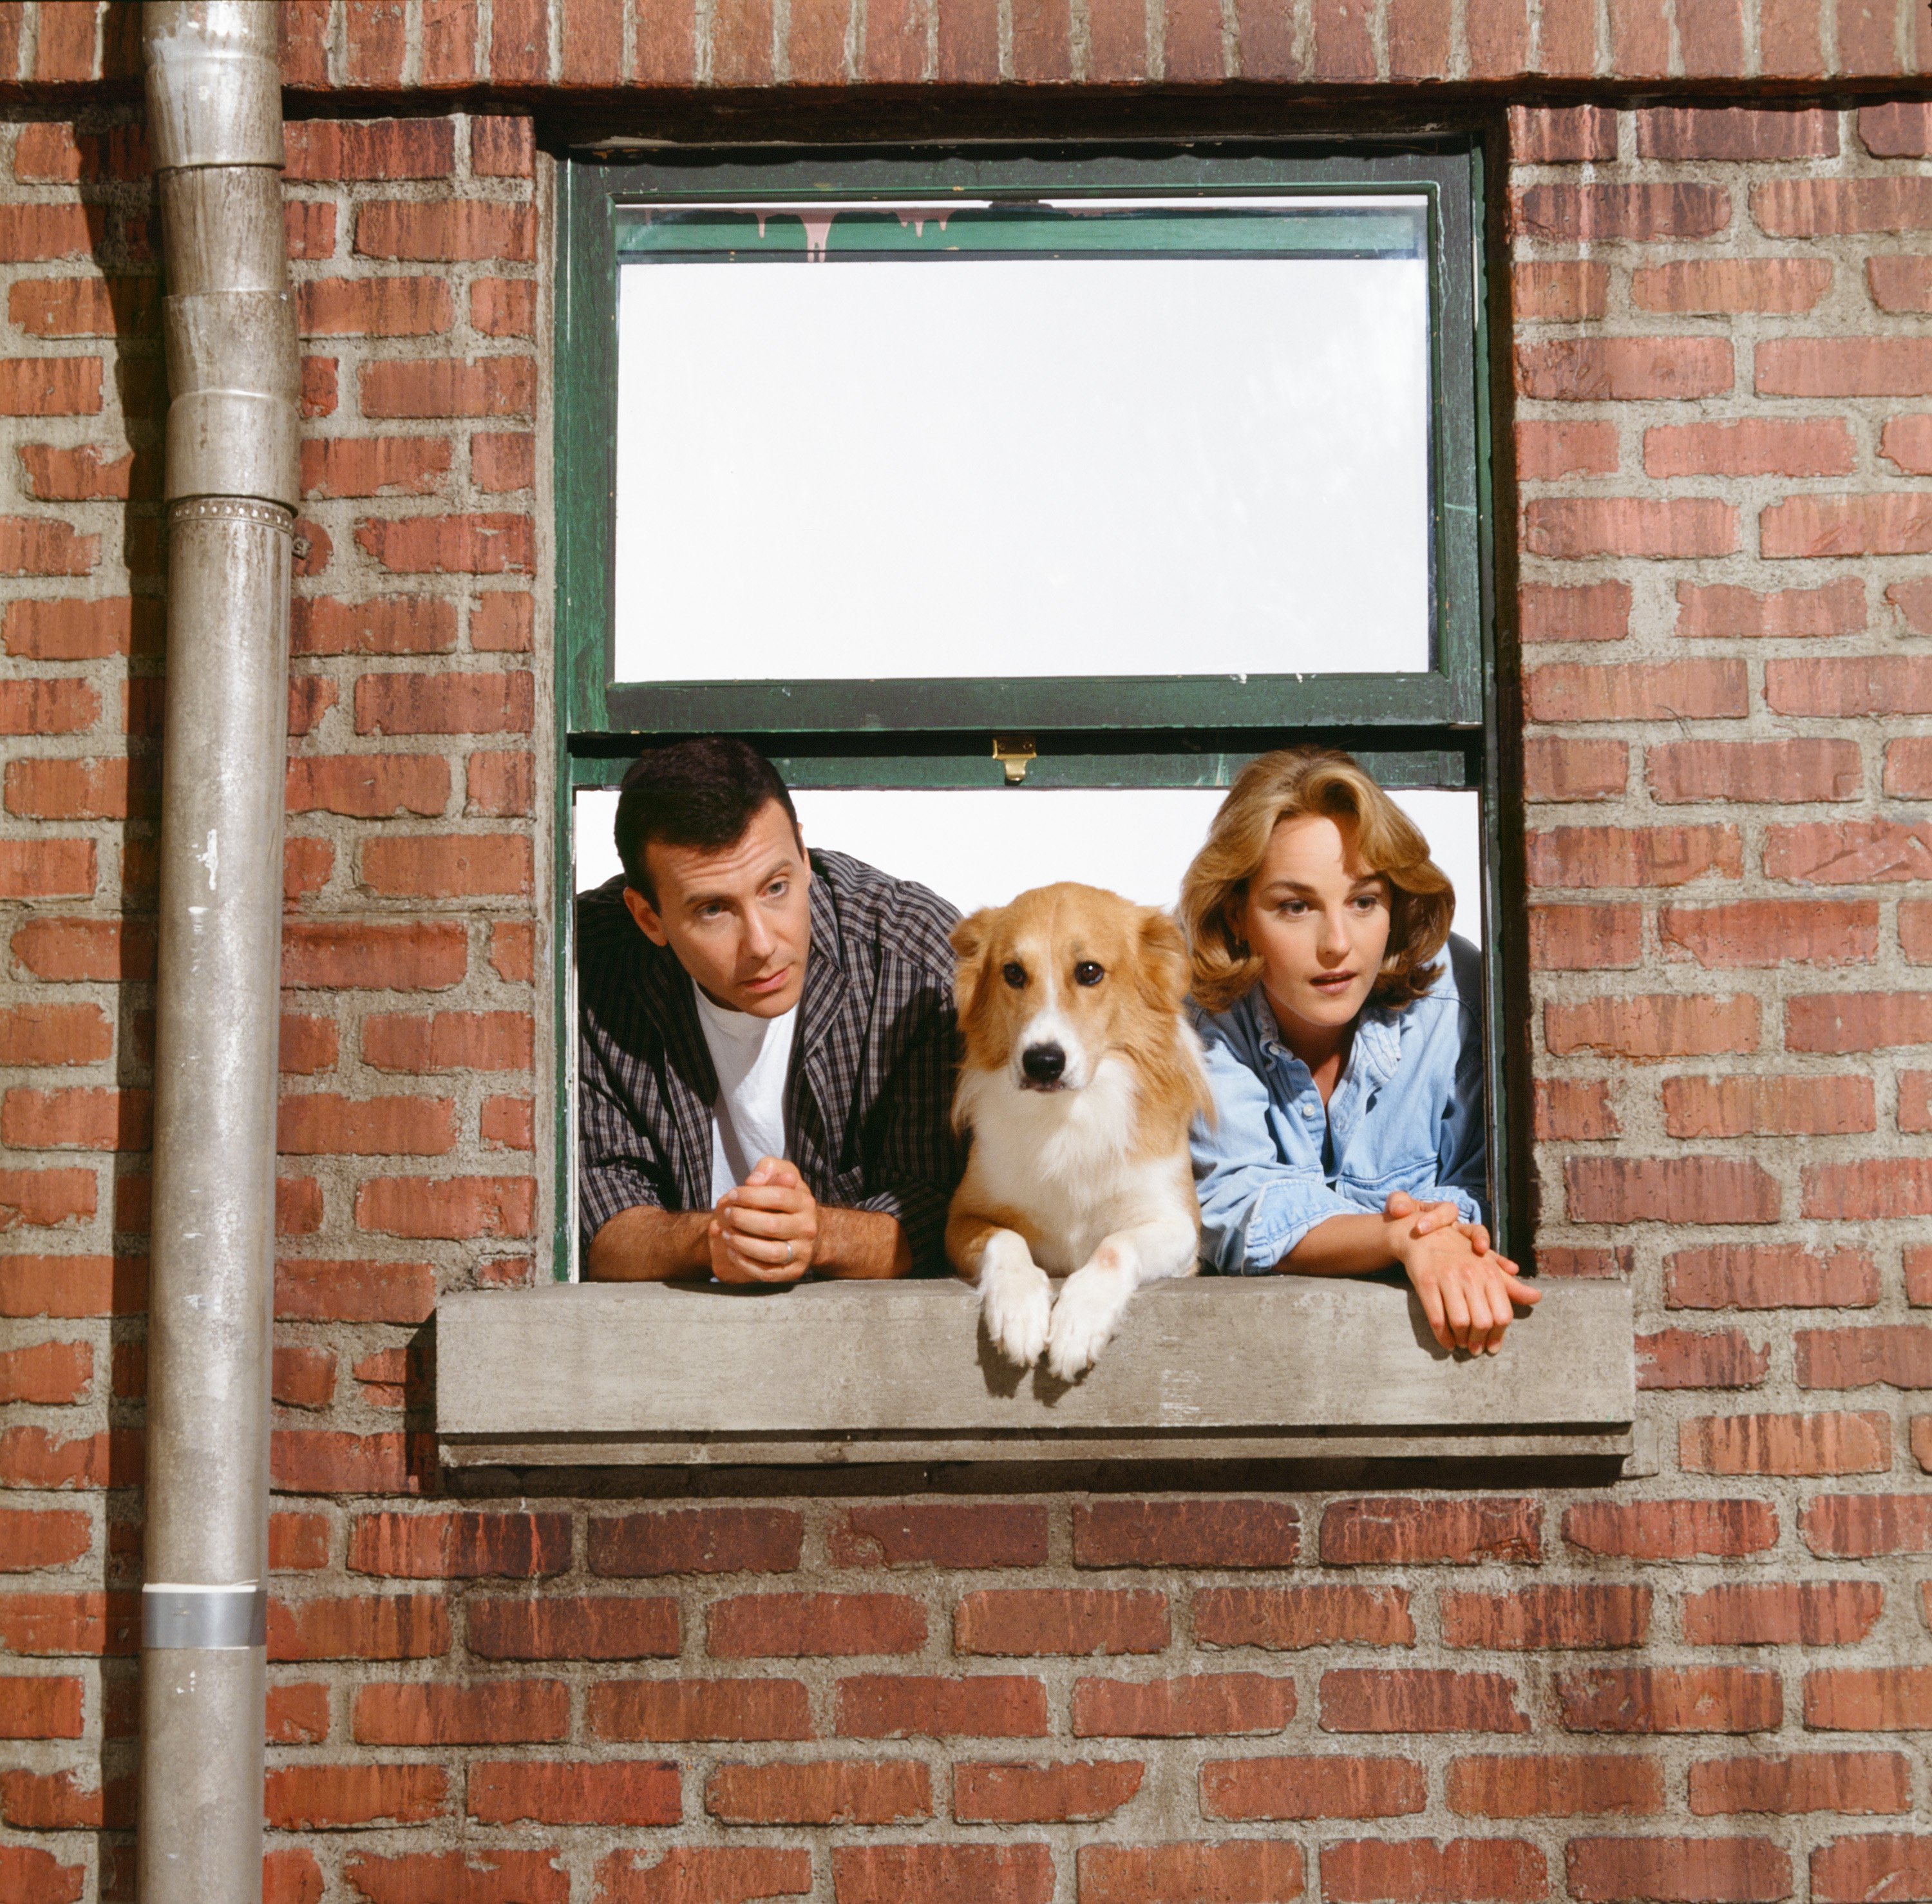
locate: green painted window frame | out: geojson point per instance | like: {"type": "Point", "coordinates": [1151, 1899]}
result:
{"type": "Point", "coordinates": [1435, 728]}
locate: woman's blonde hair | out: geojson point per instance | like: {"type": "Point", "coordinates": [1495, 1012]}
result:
{"type": "Point", "coordinates": [1281, 786]}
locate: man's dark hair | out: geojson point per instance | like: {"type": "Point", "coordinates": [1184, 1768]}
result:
{"type": "Point", "coordinates": [702, 793]}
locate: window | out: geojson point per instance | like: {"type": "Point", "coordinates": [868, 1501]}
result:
{"type": "Point", "coordinates": [1010, 504]}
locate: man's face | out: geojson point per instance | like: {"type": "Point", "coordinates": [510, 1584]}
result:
{"type": "Point", "coordinates": [739, 920]}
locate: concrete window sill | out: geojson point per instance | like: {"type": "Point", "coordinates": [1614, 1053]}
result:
{"type": "Point", "coordinates": [1287, 1367]}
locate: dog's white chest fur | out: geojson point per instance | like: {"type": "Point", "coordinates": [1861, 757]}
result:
{"type": "Point", "coordinates": [1060, 1161]}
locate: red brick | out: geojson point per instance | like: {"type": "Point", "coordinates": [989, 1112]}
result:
{"type": "Point", "coordinates": [1596, 1265]}
{"type": "Point", "coordinates": [1807, 1613]}
{"type": "Point", "coordinates": [320, 394]}
{"type": "Point", "coordinates": [298, 1542]}
{"type": "Point", "coordinates": [388, 624]}
{"type": "Point", "coordinates": [502, 462]}
{"type": "Point", "coordinates": [624, 1792]}
{"type": "Point", "coordinates": [1735, 132]}
{"type": "Point", "coordinates": [1757, 446]}
{"type": "Point", "coordinates": [449, 1041]}
{"type": "Point", "coordinates": [368, 786]}
{"type": "Point", "coordinates": [335, 150]}
{"type": "Point", "coordinates": [449, 866]}
{"type": "Point", "coordinates": [1594, 370]}
{"type": "Point", "coordinates": [702, 1876]}
{"type": "Point", "coordinates": [31, 1538]}
{"type": "Point", "coordinates": [55, 1035]}
{"type": "Point", "coordinates": [84, 307]}
{"type": "Point", "coordinates": [497, 1712]}
{"type": "Point", "coordinates": [794, 1626]}
{"type": "Point", "coordinates": [1246, 1789]}
{"type": "Point", "coordinates": [1849, 852]}
{"type": "Point", "coordinates": [1854, 1527]}
{"type": "Point", "coordinates": [45, 1199]}
{"type": "Point", "coordinates": [96, 1119]}
{"type": "Point", "coordinates": [1693, 1359]}
{"type": "Point", "coordinates": [1027, 1621]}
{"type": "Point", "coordinates": [34, 233]}
{"type": "Point", "coordinates": [1552, 1784]}
{"type": "Point", "coordinates": [58, 1625]}
{"type": "Point", "coordinates": [980, 1705]}
{"type": "Point", "coordinates": [89, 473]}
{"type": "Point", "coordinates": [1837, 608]}
{"type": "Point", "coordinates": [373, 306]}
{"type": "Point", "coordinates": [450, 231]}
{"type": "Point", "coordinates": [1906, 442]}
{"type": "Point", "coordinates": [1872, 1865]}
{"type": "Point", "coordinates": [1584, 937]}
{"type": "Point", "coordinates": [49, 386]}
{"type": "Point", "coordinates": [1770, 1106]}
{"type": "Point", "coordinates": [1422, 1871]}
{"type": "Point", "coordinates": [1671, 1529]}
{"type": "Point", "coordinates": [1573, 1110]}
{"type": "Point", "coordinates": [1288, 1619]}
{"type": "Point", "coordinates": [942, 1874]}
{"type": "Point", "coordinates": [402, 704]}
{"type": "Point", "coordinates": [463, 1877]}
{"type": "Point", "coordinates": [446, 386]}
{"type": "Point", "coordinates": [303, 1376]}
{"type": "Point", "coordinates": [463, 1545]}
{"type": "Point", "coordinates": [1235, 1871]}
{"type": "Point", "coordinates": [1199, 1705]}
{"type": "Point", "coordinates": [309, 229]}
{"type": "Point", "coordinates": [1885, 1186]}
{"type": "Point", "coordinates": [1896, 1355]}
{"type": "Point", "coordinates": [1066, 1792]}
{"type": "Point", "coordinates": [1669, 1189]}
{"type": "Point", "coordinates": [43, 1706]}
{"type": "Point", "coordinates": [696, 1540]}
{"type": "Point", "coordinates": [687, 1709]}
{"type": "Point", "coordinates": [1559, 136]}
{"type": "Point", "coordinates": [44, 706]}
{"type": "Point", "coordinates": [502, 785]}
{"type": "Point", "coordinates": [1578, 528]}
{"type": "Point", "coordinates": [1546, 453]}
{"type": "Point", "coordinates": [1785, 1444]}
{"type": "Point", "coordinates": [1899, 129]}
{"type": "Point", "coordinates": [354, 1291]}
{"type": "Point", "coordinates": [60, 1801]}
{"type": "Point", "coordinates": [1671, 690]}
{"type": "Point", "coordinates": [1646, 1030]}
{"type": "Point", "coordinates": [1821, 208]}
{"type": "Point", "coordinates": [1599, 611]}
{"type": "Point", "coordinates": [1908, 768]}
{"type": "Point", "coordinates": [483, 545]}
{"type": "Point", "coordinates": [828, 1791]}
{"type": "Point", "coordinates": [1902, 285]}
{"type": "Point", "coordinates": [1497, 36]}
{"type": "Point", "coordinates": [72, 1285]}
{"type": "Point", "coordinates": [1843, 367]}
{"type": "Point", "coordinates": [326, 1797]}
{"type": "Point", "coordinates": [503, 307]}
{"type": "Point", "coordinates": [1190, 1533]}
{"type": "Point", "coordinates": [1419, 1699]}
{"type": "Point", "coordinates": [508, 1121]}
{"type": "Point", "coordinates": [452, 1208]}
{"type": "Point", "coordinates": [423, 955]}
{"type": "Point", "coordinates": [1677, 1870]}
{"type": "Point", "coordinates": [1803, 527]}
{"type": "Point", "coordinates": [46, 869]}
{"type": "Point", "coordinates": [1813, 1781]}
{"type": "Point", "coordinates": [28, 1875]}
{"type": "Point", "coordinates": [65, 630]}
{"type": "Point", "coordinates": [1543, 1617]}
{"type": "Point", "coordinates": [1760, 933]}
{"type": "Point", "coordinates": [1720, 287]}
{"type": "Point", "coordinates": [1377, 1531]}
{"type": "Point", "coordinates": [325, 1124]}
{"type": "Point", "coordinates": [1661, 1699]}
{"type": "Point", "coordinates": [1769, 1276]}
{"type": "Point", "coordinates": [326, 1461]}
{"type": "Point", "coordinates": [601, 1626]}
{"type": "Point", "coordinates": [1559, 290]}
{"type": "Point", "coordinates": [369, 465]}
{"type": "Point", "coordinates": [1892, 1699]}
{"type": "Point", "coordinates": [1598, 214]}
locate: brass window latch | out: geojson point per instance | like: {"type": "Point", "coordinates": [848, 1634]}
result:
{"type": "Point", "coordinates": [1016, 753]}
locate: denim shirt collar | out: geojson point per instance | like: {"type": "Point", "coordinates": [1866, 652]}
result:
{"type": "Point", "coordinates": [1374, 1052]}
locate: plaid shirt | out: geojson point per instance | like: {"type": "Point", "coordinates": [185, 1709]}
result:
{"type": "Point", "coordinates": [868, 1100]}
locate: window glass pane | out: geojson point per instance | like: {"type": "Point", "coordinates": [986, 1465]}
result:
{"type": "Point", "coordinates": [979, 846]}
{"type": "Point", "coordinates": [856, 443]}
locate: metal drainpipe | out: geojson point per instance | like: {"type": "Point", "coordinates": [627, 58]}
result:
{"type": "Point", "coordinates": [214, 118]}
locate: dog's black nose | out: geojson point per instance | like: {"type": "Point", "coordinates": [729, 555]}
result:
{"type": "Point", "coordinates": [1043, 1063]}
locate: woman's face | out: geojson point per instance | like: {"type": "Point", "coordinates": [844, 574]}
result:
{"type": "Point", "coordinates": [1317, 917]}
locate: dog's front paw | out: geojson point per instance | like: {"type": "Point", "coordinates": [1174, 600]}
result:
{"type": "Point", "coordinates": [1016, 1301]}
{"type": "Point", "coordinates": [1089, 1310]}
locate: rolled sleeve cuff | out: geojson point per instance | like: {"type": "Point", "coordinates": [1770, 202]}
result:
{"type": "Point", "coordinates": [1271, 1225]}
{"type": "Point", "coordinates": [607, 1191]}
{"type": "Point", "coordinates": [920, 1211]}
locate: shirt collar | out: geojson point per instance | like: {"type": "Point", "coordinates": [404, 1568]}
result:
{"type": "Point", "coordinates": [1374, 1052]}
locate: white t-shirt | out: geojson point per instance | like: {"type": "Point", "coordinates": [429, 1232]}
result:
{"type": "Point", "coordinates": [751, 1055]}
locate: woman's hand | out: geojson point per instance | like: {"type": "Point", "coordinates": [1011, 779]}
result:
{"type": "Point", "coordinates": [1467, 1290]}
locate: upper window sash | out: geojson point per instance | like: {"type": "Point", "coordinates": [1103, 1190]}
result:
{"type": "Point", "coordinates": [656, 583]}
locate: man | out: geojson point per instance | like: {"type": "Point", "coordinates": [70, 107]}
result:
{"type": "Point", "coordinates": [765, 1042]}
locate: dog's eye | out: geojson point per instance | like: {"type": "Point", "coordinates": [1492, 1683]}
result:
{"type": "Point", "coordinates": [1087, 973]}
{"type": "Point", "coordinates": [1014, 973]}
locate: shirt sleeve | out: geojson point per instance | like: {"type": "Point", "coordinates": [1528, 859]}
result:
{"type": "Point", "coordinates": [913, 1161]}
{"type": "Point", "coordinates": [1255, 1207]}
{"type": "Point", "coordinates": [618, 1167]}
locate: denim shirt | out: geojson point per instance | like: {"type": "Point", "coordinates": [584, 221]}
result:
{"type": "Point", "coordinates": [1406, 1114]}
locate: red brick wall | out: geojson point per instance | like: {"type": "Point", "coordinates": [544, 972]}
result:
{"type": "Point", "coordinates": [1711, 1682]}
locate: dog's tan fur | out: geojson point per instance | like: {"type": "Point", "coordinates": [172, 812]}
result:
{"type": "Point", "coordinates": [1090, 1180]}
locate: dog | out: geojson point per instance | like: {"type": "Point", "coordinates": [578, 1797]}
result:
{"type": "Point", "coordinates": [1080, 1079]}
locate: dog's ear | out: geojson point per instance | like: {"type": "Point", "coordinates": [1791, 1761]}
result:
{"type": "Point", "coordinates": [1164, 970]}
{"type": "Point", "coordinates": [969, 942]}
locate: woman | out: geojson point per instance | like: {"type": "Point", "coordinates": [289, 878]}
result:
{"type": "Point", "coordinates": [1345, 1059]}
